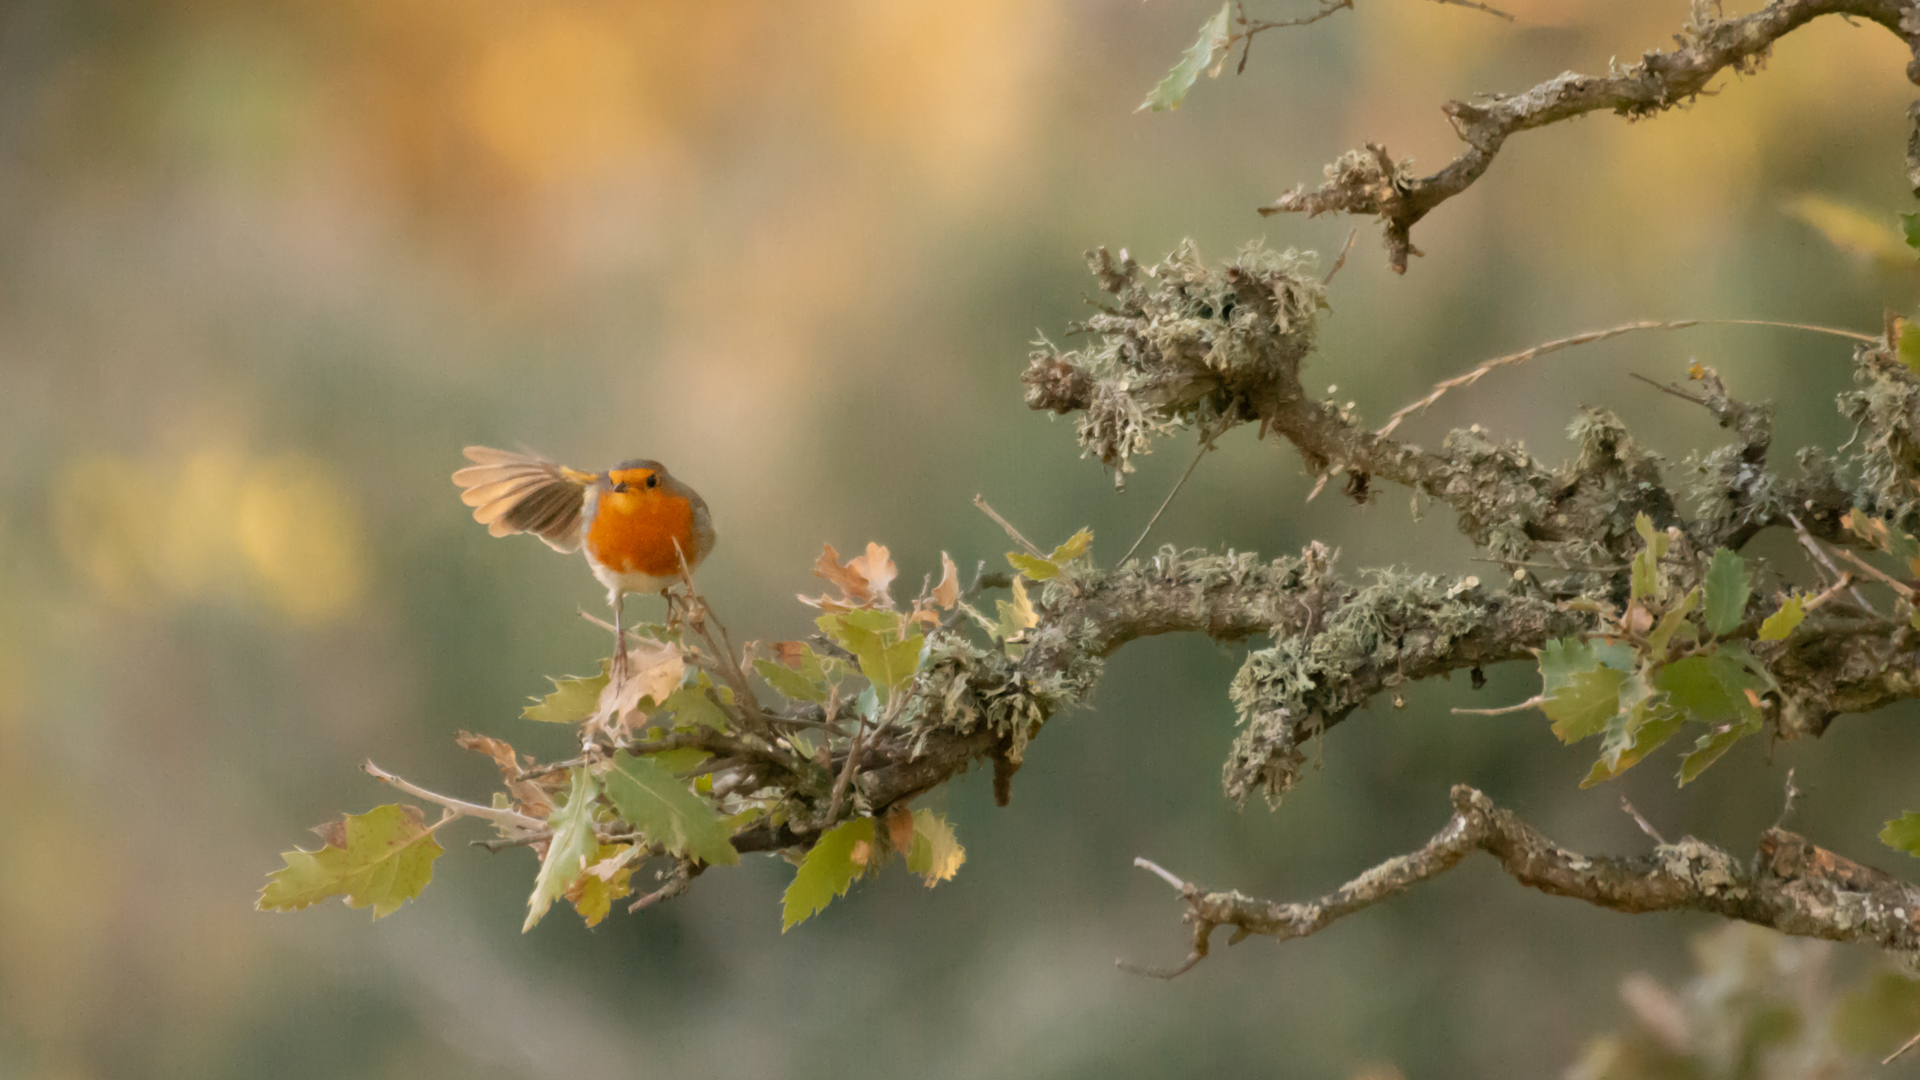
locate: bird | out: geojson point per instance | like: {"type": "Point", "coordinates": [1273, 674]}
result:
{"type": "Point", "coordinates": [642, 528]}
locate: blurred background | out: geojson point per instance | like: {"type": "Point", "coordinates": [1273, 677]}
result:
{"type": "Point", "coordinates": [265, 267]}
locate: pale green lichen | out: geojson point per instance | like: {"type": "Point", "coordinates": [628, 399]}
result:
{"type": "Point", "coordinates": [1183, 345]}
{"type": "Point", "coordinates": [1303, 682]}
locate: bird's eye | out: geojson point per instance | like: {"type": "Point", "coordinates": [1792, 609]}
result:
{"type": "Point", "coordinates": [653, 480]}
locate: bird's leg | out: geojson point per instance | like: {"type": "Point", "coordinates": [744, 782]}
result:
{"type": "Point", "coordinates": [619, 668]}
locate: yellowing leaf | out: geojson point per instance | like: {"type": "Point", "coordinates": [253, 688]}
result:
{"type": "Point", "coordinates": [827, 871]}
{"type": "Point", "coordinates": [572, 847]}
{"type": "Point", "coordinates": [662, 807]}
{"type": "Point", "coordinates": [1042, 568]}
{"type": "Point", "coordinates": [1209, 52]}
{"type": "Point", "coordinates": [1017, 617]}
{"type": "Point", "coordinates": [1908, 350]}
{"type": "Point", "coordinates": [574, 698]}
{"type": "Point", "coordinates": [381, 858]}
{"type": "Point", "coordinates": [936, 855]}
{"type": "Point", "coordinates": [1033, 566]}
{"type": "Point", "coordinates": [1783, 622]}
{"type": "Point", "coordinates": [606, 879]}
{"type": "Point", "coordinates": [1074, 547]}
{"type": "Point", "coordinates": [1646, 578]}
{"type": "Point", "coordinates": [1903, 833]}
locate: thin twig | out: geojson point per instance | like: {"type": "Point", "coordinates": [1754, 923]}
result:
{"type": "Point", "coordinates": [458, 806]}
{"type": "Point", "coordinates": [1786, 806]}
{"type": "Point", "coordinates": [1205, 446]}
{"type": "Point", "coordinates": [1531, 703]}
{"type": "Point", "coordinates": [981, 502]}
{"type": "Point", "coordinates": [1474, 376]}
{"type": "Point", "coordinates": [1905, 590]}
{"type": "Point", "coordinates": [1820, 556]}
{"type": "Point", "coordinates": [1344, 248]}
{"type": "Point", "coordinates": [1904, 1047]}
{"type": "Point", "coordinates": [1645, 825]}
{"type": "Point", "coordinates": [1845, 583]}
{"type": "Point", "coordinates": [1162, 872]}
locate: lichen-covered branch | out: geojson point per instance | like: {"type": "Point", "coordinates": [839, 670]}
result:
{"type": "Point", "coordinates": [1790, 885]}
{"type": "Point", "coordinates": [1371, 182]}
{"type": "Point", "coordinates": [1181, 344]}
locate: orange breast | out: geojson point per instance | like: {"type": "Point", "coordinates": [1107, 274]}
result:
{"type": "Point", "coordinates": [635, 532]}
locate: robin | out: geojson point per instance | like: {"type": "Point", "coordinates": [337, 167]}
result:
{"type": "Point", "coordinates": [641, 528]}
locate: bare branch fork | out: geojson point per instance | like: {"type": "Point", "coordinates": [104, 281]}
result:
{"type": "Point", "coordinates": [1789, 885]}
{"type": "Point", "coordinates": [1371, 182]}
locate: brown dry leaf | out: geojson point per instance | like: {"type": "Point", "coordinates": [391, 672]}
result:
{"type": "Point", "coordinates": [654, 670]}
{"type": "Point", "coordinates": [333, 832]}
{"type": "Point", "coordinates": [862, 580]}
{"type": "Point", "coordinates": [862, 853]}
{"type": "Point", "coordinates": [530, 795]}
{"type": "Point", "coordinates": [899, 823]}
{"type": "Point", "coordinates": [502, 754]}
{"type": "Point", "coordinates": [876, 566]}
{"type": "Point", "coordinates": [789, 652]}
{"type": "Point", "coordinates": [947, 593]}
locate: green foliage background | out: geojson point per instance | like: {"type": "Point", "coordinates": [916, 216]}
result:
{"type": "Point", "coordinates": [264, 268]}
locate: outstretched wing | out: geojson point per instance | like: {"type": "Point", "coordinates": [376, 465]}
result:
{"type": "Point", "coordinates": [515, 493]}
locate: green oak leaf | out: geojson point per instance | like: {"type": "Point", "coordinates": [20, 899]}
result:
{"type": "Point", "coordinates": [1640, 731]}
{"type": "Point", "coordinates": [1908, 348]}
{"type": "Point", "coordinates": [1781, 623]}
{"type": "Point", "coordinates": [382, 859]}
{"type": "Point", "coordinates": [571, 849]}
{"type": "Point", "coordinates": [827, 871]}
{"type": "Point", "coordinates": [1209, 51]}
{"type": "Point", "coordinates": [574, 698]}
{"type": "Point", "coordinates": [1708, 750]}
{"type": "Point", "coordinates": [1903, 833]}
{"type": "Point", "coordinates": [1729, 584]}
{"type": "Point", "coordinates": [1910, 229]}
{"type": "Point", "coordinates": [808, 682]}
{"type": "Point", "coordinates": [1670, 624]}
{"type": "Point", "coordinates": [936, 854]}
{"type": "Point", "coordinates": [1715, 687]}
{"type": "Point", "coordinates": [865, 633]}
{"type": "Point", "coordinates": [1581, 691]}
{"type": "Point", "coordinates": [694, 703]}
{"type": "Point", "coordinates": [664, 808]}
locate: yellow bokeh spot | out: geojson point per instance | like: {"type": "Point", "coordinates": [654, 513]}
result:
{"type": "Point", "coordinates": [216, 525]}
{"type": "Point", "coordinates": [297, 528]}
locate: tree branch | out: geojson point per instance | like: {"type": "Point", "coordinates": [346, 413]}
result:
{"type": "Point", "coordinates": [1370, 182]}
{"type": "Point", "coordinates": [1790, 885]}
